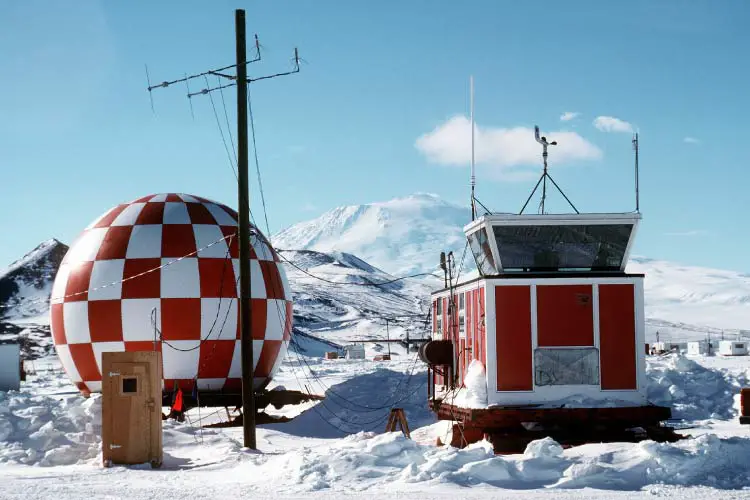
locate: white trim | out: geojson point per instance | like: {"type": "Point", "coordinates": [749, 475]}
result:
{"type": "Point", "coordinates": [490, 341]}
{"type": "Point", "coordinates": [551, 219]}
{"type": "Point", "coordinates": [584, 280]}
{"type": "Point", "coordinates": [595, 307]}
{"type": "Point", "coordinates": [490, 240]}
{"type": "Point", "coordinates": [459, 289]}
{"type": "Point", "coordinates": [629, 247]}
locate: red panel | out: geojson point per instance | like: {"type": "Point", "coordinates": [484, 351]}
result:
{"type": "Point", "coordinates": [141, 345]}
{"type": "Point", "coordinates": [152, 213]}
{"type": "Point", "coordinates": [215, 358]}
{"type": "Point", "coordinates": [181, 319]}
{"type": "Point", "coordinates": [565, 315]}
{"type": "Point", "coordinates": [58, 325]}
{"type": "Point", "coordinates": [85, 361]}
{"type": "Point", "coordinates": [105, 320]}
{"type": "Point", "coordinates": [76, 289]}
{"type": "Point", "coordinates": [513, 338]}
{"type": "Point", "coordinates": [272, 279]}
{"type": "Point", "coordinates": [482, 326]}
{"type": "Point", "coordinates": [217, 278]}
{"type": "Point", "coordinates": [268, 355]}
{"type": "Point", "coordinates": [177, 240]}
{"type": "Point", "coordinates": [199, 214]}
{"type": "Point", "coordinates": [617, 337]}
{"type": "Point", "coordinates": [115, 243]}
{"type": "Point", "coordinates": [145, 286]}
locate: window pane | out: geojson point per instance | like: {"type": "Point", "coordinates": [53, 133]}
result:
{"type": "Point", "coordinates": [593, 246]}
{"type": "Point", "coordinates": [480, 247]}
{"type": "Point", "coordinates": [566, 366]}
{"type": "Point", "coordinates": [129, 385]}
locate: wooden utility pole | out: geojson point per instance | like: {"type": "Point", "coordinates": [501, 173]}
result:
{"type": "Point", "coordinates": [243, 204]}
{"type": "Point", "coordinates": [243, 199]}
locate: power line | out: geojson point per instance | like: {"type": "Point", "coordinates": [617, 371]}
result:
{"type": "Point", "coordinates": [417, 275]}
{"type": "Point", "coordinates": [75, 294]}
{"type": "Point", "coordinates": [257, 164]}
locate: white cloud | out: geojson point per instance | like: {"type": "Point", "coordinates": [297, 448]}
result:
{"type": "Point", "coordinates": [693, 232]}
{"type": "Point", "coordinates": [569, 115]}
{"type": "Point", "coordinates": [612, 124]}
{"type": "Point", "coordinates": [691, 140]}
{"type": "Point", "coordinates": [502, 149]}
{"type": "Point", "coordinates": [309, 207]}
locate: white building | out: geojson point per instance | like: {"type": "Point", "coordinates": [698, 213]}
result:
{"type": "Point", "coordinates": [701, 348]}
{"type": "Point", "coordinates": [355, 351]}
{"type": "Point", "coordinates": [663, 347]}
{"type": "Point", "coordinates": [733, 348]}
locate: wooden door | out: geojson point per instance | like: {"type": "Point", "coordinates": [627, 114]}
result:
{"type": "Point", "coordinates": [131, 405]}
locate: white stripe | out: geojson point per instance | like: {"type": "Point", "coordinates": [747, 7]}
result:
{"type": "Point", "coordinates": [128, 216]}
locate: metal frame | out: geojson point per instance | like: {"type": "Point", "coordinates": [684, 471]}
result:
{"type": "Point", "coordinates": [488, 221]}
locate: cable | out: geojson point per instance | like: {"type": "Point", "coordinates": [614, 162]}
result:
{"type": "Point", "coordinates": [257, 165]}
{"type": "Point", "coordinates": [227, 263]}
{"type": "Point", "coordinates": [229, 127]}
{"type": "Point", "coordinates": [75, 294]}
{"type": "Point", "coordinates": [221, 131]}
{"type": "Point", "coordinates": [352, 284]}
{"type": "Point", "coordinates": [365, 407]}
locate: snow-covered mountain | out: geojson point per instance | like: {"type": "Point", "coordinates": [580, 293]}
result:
{"type": "Point", "coordinates": [401, 236]}
{"type": "Point", "coordinates": [28, 280]}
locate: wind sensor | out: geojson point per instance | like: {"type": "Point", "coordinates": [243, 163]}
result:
{"type": "Point", "coordinates": [545, 175]}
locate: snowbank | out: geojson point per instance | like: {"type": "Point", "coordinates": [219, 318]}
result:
{"type": "Point", "coordinates": [49, 430]}
{"type": "Point", "coordinates": [364, 461]}
{"type": "Point", "coordinates": [474, 394]}
{"type": "Point", "coordinates": [693, 391]}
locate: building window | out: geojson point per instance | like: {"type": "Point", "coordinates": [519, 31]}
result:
{"type": "Point", "coordinates": [439, 318]}
{"type": "Point", "coordinates": [462, 315]}
{"type": "Point", "coordinates": [577, 366]}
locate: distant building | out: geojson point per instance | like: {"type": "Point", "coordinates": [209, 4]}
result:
{"type": "Point", "coordinates": [733, 348]}
{"type": "Point", "coordinates": [700, 348]}
{"type": "Point", "coordinates": [354, 351]}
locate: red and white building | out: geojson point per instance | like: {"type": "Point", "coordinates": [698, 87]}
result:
{"type": "Point", "coordinates": [559, 326]}
{"type": "Point", "coordinates": [552, 313]}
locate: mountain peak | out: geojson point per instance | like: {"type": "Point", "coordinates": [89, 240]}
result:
{"type": "Point", "coordinates": [40, 252]}
{"type": "Point", "coordinates": [401, 236]}
{"type": "Point", "coordinates": [26, 284]}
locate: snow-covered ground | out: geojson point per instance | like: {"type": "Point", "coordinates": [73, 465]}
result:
{"type": "Point", "coordinates": [50, 444]}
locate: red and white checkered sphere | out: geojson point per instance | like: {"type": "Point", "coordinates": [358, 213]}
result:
{"type": "Point", "coordinates": [102, 301]}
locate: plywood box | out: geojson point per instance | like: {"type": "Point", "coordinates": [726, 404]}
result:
{"type": "Point", "coordinates": [131, 408]}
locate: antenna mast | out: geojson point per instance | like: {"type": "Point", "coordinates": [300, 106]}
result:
{"type": "Point", "coordinates": [241, 81]}
{"type": "Point", "coordinates": [635, 147]}
{"type": "Point", "coordinates": [473, 173]}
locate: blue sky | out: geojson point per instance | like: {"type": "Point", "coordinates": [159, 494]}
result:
{"type": "Point", "coordinates": [375, 112]}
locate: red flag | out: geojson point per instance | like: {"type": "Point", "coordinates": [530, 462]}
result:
{"type": "Point", "coordinates": [177, 406]}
